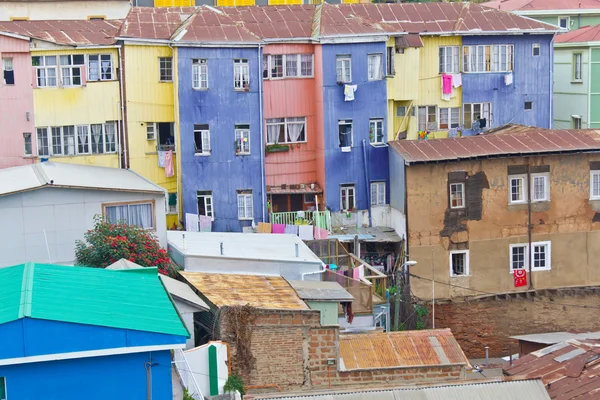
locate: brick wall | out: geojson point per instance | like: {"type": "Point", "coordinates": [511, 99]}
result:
{"type": "Point", "coordinates": [292, 348]}
{"type": "Point", "coordinates": [491, 321]}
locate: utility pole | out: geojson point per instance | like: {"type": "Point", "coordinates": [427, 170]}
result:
{"type": "Point", "coordinates": [404, 277]}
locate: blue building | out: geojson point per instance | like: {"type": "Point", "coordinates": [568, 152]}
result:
{"type": "Point", "coordinates": [221, 133]}
{"type": "Point", "coordinates": [355, 121]}
{"type": "Point", "coordinates": [76, 332]}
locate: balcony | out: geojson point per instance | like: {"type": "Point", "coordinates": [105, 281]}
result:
{"type": "Point", "coordinates": [321, 219]}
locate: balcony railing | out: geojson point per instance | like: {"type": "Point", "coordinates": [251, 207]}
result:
{"type": "Point", "coordinates": [321, 219]}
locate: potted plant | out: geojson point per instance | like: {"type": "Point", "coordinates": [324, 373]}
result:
{"type": "Point", "coordinates": [246, 87]}
{"type": "Point", "coordinates": [276, 148]}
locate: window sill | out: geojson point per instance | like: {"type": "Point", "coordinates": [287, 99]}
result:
{"type": "Point", "coordinates": [378, 145]}
{"type": "Point", "coordinates": [577, 82]}
{"type": "Point", "coordinates": [457, 208]}
{"type": "Point", "coordinates": [165, 81]}
{"type": "Point", "coordinates": [591, 198]}
{"type": "Point", "coordinates": [512, 272]}
{"type": "Point", "coordinates": [245, 219]}
{"type": "Point", "coordinates": [201, 154]}
{"type": "Point", "coordinates": [460, 276]}
{"type": "Point", "coordinates": [346, 149]}
{"type": "Point", "coordinates": [243, 154]}
{"type": "Point", "coordinates": [241, 90]}
{"type": "Point", "coordinates": [200, 89]}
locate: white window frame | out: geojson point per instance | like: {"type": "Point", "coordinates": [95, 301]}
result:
{"type": "Point", "coordinates": [475, 60]}
{"type": "Point", "coordinates": [466, 269]}
{"type": "Point", "coordinates": [27, 141]}
{"type": "Point", "coordinates": [208, 198]}
{"type": "Point", "coordinates": [300, 60]}
{"type": "Point", "coordinates": [526, 255]}
{"type": "Point", "coordinates": [390, 67]}
{"type": "Point", "coordinates": [200, 74]}
{"type": "Point", "coordinates": [449, 59]}
{"type": "Point", "coordinates": [241, 69]}
{"type": "Point", "coordinates": [151, 130]}
{"type": "Point", "coordinates": [347, 189]}
{"type": "Point", "coordinates": [524, 192]}
{"type": "Point", "coordinates": [485, 111]}
{"type": "Point", "coordinates": [285, 123]}
{"type": "Point", "coordinates": [204, 137]}
{"type": "Point", "coordinates": [43, 69]}
{"type": "Point", "coordinates": [577, 66]}
{"type": "Point", "coordinates": [346, 122]}
{"type": "Point", "coordinates": [101, 59]}
{"type": "Point", "coordinates": [240, 134]}
{"type": "Point", "coordinates": [66, 79]}
{"type": "Point", "coordinates": [165, 69]}
{"type": "Point", "coordinates": [548, 254]}
{"type": "Point", "coordinates": [576, 121]}
{"type": "Point", "coordinates": [429, 126]}
{"type": "Point", "coordinates": [451, 115]}
{"type": "Point", "coordinates": [343, 68]}
{"type": "Point", "coordinates": [592, 195]}
{"type": "Point", "coordinates": [375, 124]}
{"type": "Point", "coordinates": [40, 134]}
{"type": "Point", "coordinates": [378, 193]}
{"type": "Point", "coordinates": [461, 185]}
{"type": "Point", "coordinates": [567, 22]}
{"type": "Point", "coordinates": [374, 74]}
{"type": "Point", "coordinates": [8, 66]}
{"type": "Point", "coordinates": [152, 211]}
{"type": "Point", "coordinates": [534, 47]}
{"type": "Point", "coordinates": [108, 147]}
{"type": "Point", "coordinates": [545, 176]}
{"type": "Point", "coordinates": [404, 111]}
{"type": "Point", "coordinates": [246, 198]}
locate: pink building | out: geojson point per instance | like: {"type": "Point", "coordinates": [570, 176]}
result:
{"type": "Point", "coordinates": [16, 97]}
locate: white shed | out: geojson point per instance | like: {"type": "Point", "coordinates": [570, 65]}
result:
{"type": "Point", "coordinates": [46, 207]}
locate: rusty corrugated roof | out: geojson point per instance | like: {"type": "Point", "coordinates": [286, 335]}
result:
{"type": "Point", "coordinates": [265, 292]}
{"type": "Point", "coordinates": [512, 140]}
{"type": "Point", "coordinates": [538, 5]}
{"type": "Point", "coordinates": [210, 25]}
{"type": "Point", "coordinates": [400, 349]}
{"type": "Point", "coordinates": [67, 32]}
{"type": "Point", "coordinates": [570, 370]}
{"type": "Point", "coordinates": [581, 35]}
{"type": "Point", "coordinates": [158, 23]}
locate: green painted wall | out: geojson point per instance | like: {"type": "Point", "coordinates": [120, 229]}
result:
{"type": "Point", "coordinates": [329, 311]}
{"type": "Point", "coordinates": [570, 97]}
{"type": "Point", "coordinates": [576, 23]}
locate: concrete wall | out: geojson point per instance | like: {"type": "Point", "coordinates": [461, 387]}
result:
{"type": "Point", "coordinates": [61, 10]}
{"type": "Point", "coordinates": [187, 315]}
{"type": "Point", "coordinates": [489, 225]}
{"type": "Point", "coordinates": [60, 217]}
{"type": "Point", "coordinates": [571, 98]}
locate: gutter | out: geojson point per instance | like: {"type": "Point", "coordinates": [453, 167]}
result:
{"type": "Point", "coordinates": [507, 32]}
{"type": "Point", "coordinates": [576, 44]}
{"type": "Point", "coordinates": [563, 12]}
{"type": "Point", "coordinates": [263, 187]}
{"type": "Point", "coordinates": [322, 271]}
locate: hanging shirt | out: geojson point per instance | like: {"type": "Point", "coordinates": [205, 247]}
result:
{"type": "Point", "coordinates": [456, 80]}
{"type": "Point", "coordinates": [169, 168]}
{"type": "Point", "coordinates": [349, 92]}
{"type": "Point", "coordinates": [508, 79]}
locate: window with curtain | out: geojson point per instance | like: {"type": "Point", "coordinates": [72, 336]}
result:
{"type": "Point", "coordinates": [69, 140]}
{"type": "Point", "coordinates": [202, 139]}
{"type": "Point", "coordinates": [99, 67]}
{"type": "Point", "coordinates": [376, 135]}
{"type": "Point", "coordinates": [83, 139]}
{"type": "Point", "coordinates": [242, 139]}
{"type": "Point", "coordinates": [110, 143]}
{"type": "Point", "coordinates": [377, 193]}
{"type": "Point", "coordinates": [42, 141]}
{"type": "Point", "coordinates": [286, 130]}
{"type": "Point", "coordinates": [8, 71]}
{"type": "Point", "coordinates": [245, 207]}
{"type": "Point", "coordinates": [45, 70]}
{"type": "Point", "coordinates": [241, 74]}
{"type": "Point", "coordinates": [139, 214]}
{"type": "Point", "coordinates": [200, 74]}
{"type": "Point", "coordinates": [374, 66]}
{"type": "Point", "coordinates": [343, 66]}
{"type": "Point", "coordinates": [97, 138]}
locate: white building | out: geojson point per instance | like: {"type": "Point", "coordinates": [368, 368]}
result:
{"type": "Point", "coordinates": [46, 207]}
{"type": "Point", "coordinates": [35, 10]}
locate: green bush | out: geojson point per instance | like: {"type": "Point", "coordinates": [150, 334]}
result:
{"type": "Point", "coordinates": [234, 384]}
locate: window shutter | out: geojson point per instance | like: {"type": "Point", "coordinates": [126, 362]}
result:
{"type": "Point", "coordinates": [34, 82]}
{"type": "Point", "coordinates": [83, 76]}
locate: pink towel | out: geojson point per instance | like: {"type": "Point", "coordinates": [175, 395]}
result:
{"type": "Point", "coordinates": [446, 84]}
{"type": "Point", "coordinates": [169, 170]}
{"type": "Point", "coordinates": [278, 228]}
{"type": "Point", "coordinates": [321, 233]}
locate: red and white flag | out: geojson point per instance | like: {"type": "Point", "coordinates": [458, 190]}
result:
{"type": "Point", "coordinates": [520, 276]}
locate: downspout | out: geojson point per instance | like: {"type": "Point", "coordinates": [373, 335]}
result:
{"type": "Point", "coordinates": [124, 162]}
{"type": "Point", "coordinates": [262, 140]}
{"type": "Point", "coordinates": [589, 95]}
{"type": "Point", "coordinates": [323, 269]}
{"type": "Point", "coordinates": [405, 212]}
{"type": "Point", "coordinates": [529, 223]}
{"type": "Point", "coordinates": [367, 188]}
{"type": "Point", "coordinates": [551, 66]}
{"type": "Point", "coordinates": [177, 130]}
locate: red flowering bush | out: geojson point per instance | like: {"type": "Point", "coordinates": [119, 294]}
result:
{"type": "Point", "coordinates": [107, 243]}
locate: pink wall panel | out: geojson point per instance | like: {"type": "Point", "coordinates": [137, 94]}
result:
{"type": "Point", "coordinates": [15, 102]}
{"type": "Point", "coordinates": [319, 118]}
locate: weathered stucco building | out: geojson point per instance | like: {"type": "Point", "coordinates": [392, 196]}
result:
{"type": "Point", "coordinates": [479, 208]}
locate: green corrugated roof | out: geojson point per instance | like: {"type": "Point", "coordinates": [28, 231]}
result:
{"type": "Point", "coordinates": [89, 296]}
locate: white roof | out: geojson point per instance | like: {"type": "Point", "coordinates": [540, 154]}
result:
{"type": "Point", "coordinates": [556, 337]}
{"type": "Point", "coordinates": [249, 246]}
{"type": "Point", "coordinates": [182, 291]}
{"type": "Point", "coordinates": [50, 174]}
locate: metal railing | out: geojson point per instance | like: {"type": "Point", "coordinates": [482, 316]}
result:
{"type": "Point", "coordinates": [321, 219]}
{"type": "Point", "coordinates": [187, 376]}
{"type": "Point", "coordinates": [377, 278]}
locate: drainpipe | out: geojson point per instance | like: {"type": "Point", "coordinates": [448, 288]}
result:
{"type": "Point", "coordinates": [315, 272]}
{"type": "Point", "coordinates": [529, 224]}
{"type": "Point", "coordinates": [122, 144]}
{"type": "Point", "coordinates": [262, 140]}
{"type": "Point", "coordinates": [551, 65]}
{"type": "Point", "coordinates": [364, 143]}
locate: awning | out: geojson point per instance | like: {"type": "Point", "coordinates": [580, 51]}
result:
{"type": "Point", "coordinates": [295, 189]}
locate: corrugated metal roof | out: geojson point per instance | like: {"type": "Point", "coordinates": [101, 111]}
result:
{"type": "Point", "coordinates": [321, 290]}
{"type": "Point", "coordinates": [538, 5]}
{"type": "Point", "coordinates": [400, 349]}
{"type": "Point", "coordinates": [209, 25]}
{"type": "Point", "coordinates": [556, 337]}
{"type": "Point", "coordinates": [154, 22]}
{"type": "Point", "coordinates": [244, 246]}
{"type": "Point", "coordinates": [512, 140]}
{"type": "Point", "coordinates": [532, 389]}
{"type": "Point", "coordinates": [381, 234]}
{"type": "Point", "coordinates": [67, 32]}
{"type": "Point", "coordinates": [265, 292]}
{"type": "Point", "coordinates": [581, 35]}
{"type": "Point", "coordinates": [570, 370]}
{"type": "Point", "coordinates": [61, 175]}
{"type": "Point", "coordinates": [88, 296]}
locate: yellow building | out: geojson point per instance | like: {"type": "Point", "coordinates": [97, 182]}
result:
{"type": "Point", "coordinates": [415, 100]}
{"type": "Point", "coordinates": [238, 3]}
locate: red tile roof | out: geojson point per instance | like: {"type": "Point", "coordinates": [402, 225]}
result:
{"type": "Point", "coordinates": [75, 33]}
{"type": "Point", "coordinates": [513, 140]}
{"type": "Point", "coordinates": [154, 22]}
{"type": "Point", "coordinates": [584, 34]}
{"type": "Point", "coordinates": [538, 5]}
{"type": "Point", "coordinates": [211, 25]}
{"type": "Point", "coordinates": [570, 370]}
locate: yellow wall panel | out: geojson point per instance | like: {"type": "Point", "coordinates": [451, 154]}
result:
{"type": "Point", "coordinates": [236, 3]}
{"type": "Point", "coordinates": [281, 2]}
{"type": "Point", "coordinates": [174, 3]}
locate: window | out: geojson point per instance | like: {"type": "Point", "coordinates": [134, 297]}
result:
{"type": "Point", "coordinates": [202, 140]}
{"type": "Point", "coordinates": [138, 214]}
{"type": "Point", "coordinates": [2, 388]}
{"type": "Point", "coordinates": [74, 140]}
{"type": "Point", "coordinates": [57, 142]}
{"type": "Point", "coordinates": [245, 207]}
{"type": "Point", "coordinates": [528, 106]}
{"type": "Point", "coordinates": [541, 256]}
{"type": "Point", "coordinates": [276, 66]}
{"type": "Point", "coordinates": [343, 67]}
{"type": "Point", "coordinates": [242, 139]}
{"type": "Point", "coordinates": [474, 113]}
{"type": "Point", "coordinates": [110, 137]}
{"type": "Point", "coordinates": [150, 131]}
{"type": "Point", "coordinates": [165, 69]}
{"type": "Point", "coordinates": [241, 74]}
{"type": "Point", "coordinates": [517, 189]}
{"type": "Point", "coordinates": [576, 122]}
{"type": "Point", "coordinates": [200, 74]}
{"type": "Point", "coordinates": [27, 143]}
{"type": "Point", "coordinates": [564, 22]}
{"type": "Point", "coordinates": [595, 185]}
{"type": "Point", "coordinates": [42, 142]}
{"type": "Point", "coordinates": [286, 130]}
{"type": "Point", "coordinates": [374, 66]}
{"type": "Point", "coordinates": [45, 70]}
{"type": "Point", "coordinates": [100, 67]}
{"type": "Point", "coordinates": [535, 49]}
{"type": "Point", "coordinates": [345, 133]}
{"type": "Point", "coordinates": [488, 58]}
{"type": "Point", "coordinates": [83, 139]}
{"type": "Point", "coordinates": [577, 62]}
{"type": "Point", "coordinates": [376, 135]}
{"type": "Point", "coordinates": [400, 111]}
{"type": "Point", "coordinates": [539, 187]}
{"type": "Point", "coordinates": [347, 199]}
{"type": "Point", "coordinates": [449, 59]}
{"type": "Point", "coordinates": [69, 147]}
{"type": "Point", "coordinates": [287, 65]}
{"type": "Point", "coordinates": [457, 195]}
{"type": "Point", "coordinates": [427, 118]}
{"type": "Point", "coordinates": [518, 256]}
{"type": "Point", "coordinates": [459, 263]}
{"type": "Point", "coordinates": [8, 71]}
{"type": "Point", "coordinates": [389, 62]}
{"type": "Point", "coordinates": [377, 193]}
{"type": "Point", "coordinates": [172, 203]}
{"type": "Point", "coordinates": [165, 136]}
{"type": "Point", "coordinates": [205, 204]}
{"type": "Point", "coordinates": [97, 138]}
{"type": "Point", "coordinates": [70, 69]}
{"type": "Point", "coordinates": [449, 117]}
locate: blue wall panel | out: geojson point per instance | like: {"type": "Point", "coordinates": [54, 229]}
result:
{"type": "Point", "coordinates": [370, 102]}
{"type": "Point", "coordinates": [221, 108]}
{"type": "Point", "coordinates": [532, 82]}
{"type": "Point", "coordinates": [93, 378]}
